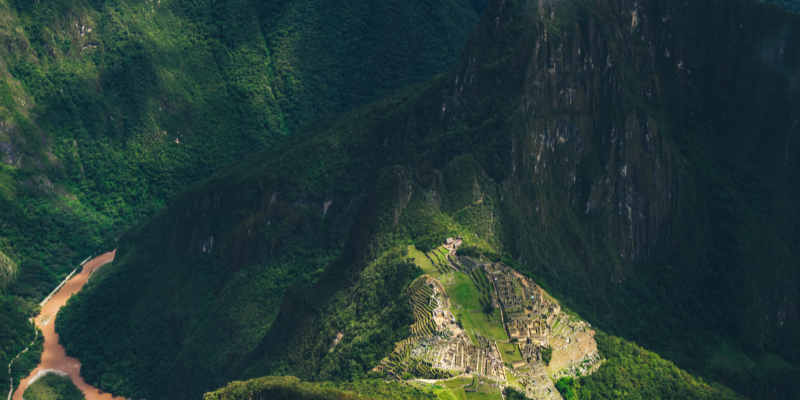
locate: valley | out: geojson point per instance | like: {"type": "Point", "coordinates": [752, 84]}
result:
{"type": "Point", "coordinates": [479, 323]}
{"type": "Point", "coordinates": [462, 199]}
{"type": "Point", "coordinates": [54, 358]}
{"type": "Point", "coordinates": [108, 110]}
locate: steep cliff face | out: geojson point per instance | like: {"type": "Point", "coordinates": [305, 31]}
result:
{"type": "Point", "coordinates": [8, 268]}
{"type": "Point", "coordinates": [639, 158]}
{"type": "Point", "coordinates": [586, 126]}
{"type": "Point", "coordinates": [650, 147]}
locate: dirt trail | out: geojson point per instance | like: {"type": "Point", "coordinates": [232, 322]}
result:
{"type": "Point", "coordinates": [54, 357]}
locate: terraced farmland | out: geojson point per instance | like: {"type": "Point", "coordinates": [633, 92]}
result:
{"type": "Point", "coordinates": [423, 261]}
{"type": "Point", "coordinates": [403, 361]}
{"type": "Point", "coordinates": [438, 257]}
{"type": "Point", "coordinates": [458, 329]}
{"type": "Point", "coordinates": [572, 346]}
{"type": "Point", "coordinates": [416, 355]}
{"type": "Point", "coordinates": [424, 303]}
{"type": "Point", "coordinates": [472, 300]}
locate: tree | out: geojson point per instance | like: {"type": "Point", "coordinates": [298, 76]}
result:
{"type": "Point", "coordinates": [512, 394]}
{"type": "Point", "coordinates": [547, 355]}
{"type": "Point", "coordinates": [564, 386]}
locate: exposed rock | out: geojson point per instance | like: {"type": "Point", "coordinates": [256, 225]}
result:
{"type": "Point", "coordinates": [42, 183]}
{"type": "Point", "coordinates": [10, 155]}
{"type": "Point", "coordinates": [8, 268]}
{"type": "Point", "coordinates": [208, 244]}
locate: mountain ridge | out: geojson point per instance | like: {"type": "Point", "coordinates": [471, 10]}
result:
{"type": "Point", "coordinates": [109, 108]}
{"type": "Point", "coordinates": [616, 151]}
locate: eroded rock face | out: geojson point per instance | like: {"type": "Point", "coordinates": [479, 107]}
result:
{"type": "Point", "coordinates": [646, 129]}
{"type": "Point", "coordinates": [9, 153]}
{"type": "Point", "coordinates": [8, 268]}
{"type": "Point", "coordinates": [585, 125]}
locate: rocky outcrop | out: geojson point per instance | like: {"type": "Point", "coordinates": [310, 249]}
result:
{"type": "Point", "coordinates": [8, 268]}
{"type": "Point", "coordinates": [639, 133]}
{"type": "Point", "coordinates": [9, 153]}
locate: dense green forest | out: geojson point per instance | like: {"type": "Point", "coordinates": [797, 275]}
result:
{"type": "Point", "coordinates": [290, 388]}
{"type": "Point", "coordinates": [608, 150]}
{"type": "Point", "coordinates": [791, 5]}
{"type": "Point", "coordinates": [632, 372]}
{"type": "Point", "coordinates": [109, 108]}
{"type": "Point", "coordinates": [53, 387]}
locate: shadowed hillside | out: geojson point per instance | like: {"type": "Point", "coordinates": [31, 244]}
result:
{"type": "Point", "coordinates": [109, 108]}
{"type": "Point", "coordinates": [791, 5]}
{"type": "Point", "coordinates": [291, 388]}
{"type": "Point", "coordinates": [637, 158]}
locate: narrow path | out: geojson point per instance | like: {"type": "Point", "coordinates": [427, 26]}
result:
{"type": "Point", "coordinates": [54, 357]}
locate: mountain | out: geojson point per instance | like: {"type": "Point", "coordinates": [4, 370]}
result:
{"type": "Point", "coordinates": [638, 159]}
{"type": "Point", "coordinates": [292, 388]}
{"type": "Point", "coordinates": [109, 108]}
{"type": "Point", "coordinates": [629, 371]}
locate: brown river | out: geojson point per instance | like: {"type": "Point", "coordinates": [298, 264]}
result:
{"type": "Point", "coordinates": [54, 357]}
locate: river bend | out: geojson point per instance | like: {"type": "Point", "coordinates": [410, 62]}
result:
{"type": "Point", "coordinates": [54, 357]}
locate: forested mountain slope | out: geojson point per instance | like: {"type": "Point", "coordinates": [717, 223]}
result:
{"type": "Point", "coordinates": [638, 158]}
{"type": "Point", "coordinates": [109, 108]}
{"type": "Point", "coordinates": [791, 5]}
{"type": "Point", "coordinates": [290, 388]}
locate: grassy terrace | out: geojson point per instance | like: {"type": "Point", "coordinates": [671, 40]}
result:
{"type": "Point", "coordinates": [438, 256]}
{"type": "Point", "coordinates": [512, 381]}
{"type": "Point", "coordinates": [423, 262]}
{"type": "Point", "coordinates": [463, 292]}
{"type": "Point", "coordinates": [509, 352]}
{"type": "Point", "coordinates": [455, 389]}
{"type": "Point", "coordinates": [441, 253]}
{"type": "Point", "coordinates": [483, 391]}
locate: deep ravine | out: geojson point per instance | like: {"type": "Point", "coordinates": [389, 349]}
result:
{"type": "Point", "coordinates": [54, 358]}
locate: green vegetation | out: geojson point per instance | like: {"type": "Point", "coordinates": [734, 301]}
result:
{"type": "Point", "coordinates": [400, 365]}
{"type": "Point", "coordinates": [513, 394]}
{"type": "Point", "coordinates": [110, 109]}
{"type": "Point", "coordinates": [422, 261]}
{"type": "Point", "coordinates": [24, 333]}
{"type": "Point", "coordinates": [53, 387]}
{"type": "Point", "coordinates": [290, 388]}
{"type": "Point", "coordinates": [464, 293]}
{"type": "Point", "coordinates": [423, 305]}
{"type": "Point", "coordinates": [509, 352]}
{"type": "Point", "coordinates": [482, 280]}
{"type": "Point", "coordinates": [440, 261]}
{"type": "Point", "coordinates": [790, 5]}
{"type": "Point", "coordinates": [641, 185]}
{"type": "Point", "coordinates": [564, 386]}
{"type": "Point", "coordinates": [457, 389]}
{"type": "Point", "coordinates": [488, 309]}
{"type": "Point", "coordinates": [547, 355]}
{"type": "Point", "coordinates": [634, 373]}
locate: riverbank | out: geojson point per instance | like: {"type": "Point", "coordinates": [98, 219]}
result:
{"type": "Point", "coordinates": [54, 356]}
